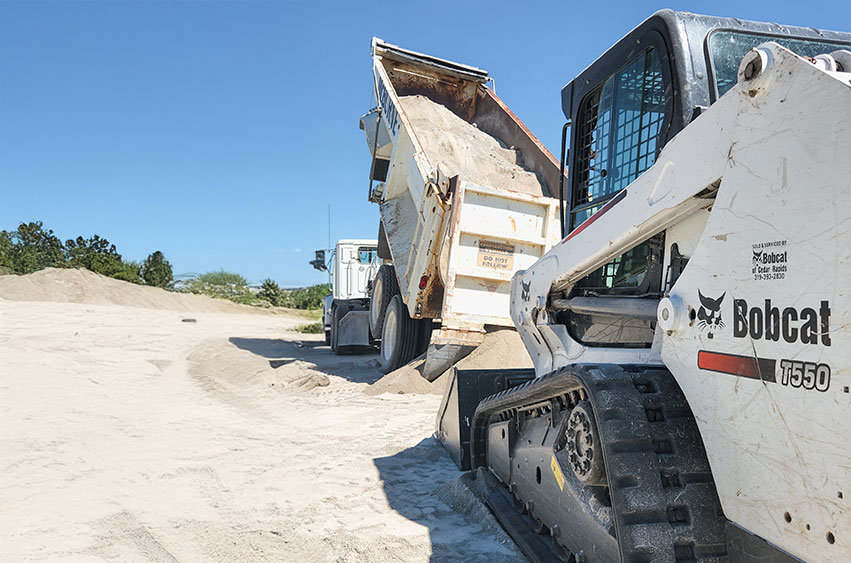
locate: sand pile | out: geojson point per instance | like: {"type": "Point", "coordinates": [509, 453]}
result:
{"type": "Point", "coordinates": [217, 365]}
{"type": "Point", "coordinates": [500, 349]}
{"type": "Point", "coordinates": [461, 148]}
{"type": "Point", "coordinates": [61, 285]}
{"type": "Point", "coordinates": [407, 379]}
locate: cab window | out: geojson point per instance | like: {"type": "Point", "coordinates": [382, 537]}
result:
{"type": "Point", "coordinates": [728, 48]}
{"type": "Point", "coordinates": [618, 138]}
{"type": "Point", "coordinates": [367, 254]}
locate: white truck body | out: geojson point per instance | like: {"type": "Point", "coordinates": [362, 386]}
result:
{"type": "Point", "coordinates": [454, 244]}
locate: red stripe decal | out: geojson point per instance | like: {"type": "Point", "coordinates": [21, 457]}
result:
{"type": "Point", "coordinates": [742, 366]}
{"type": "Point", "coordinates": [587, 222]}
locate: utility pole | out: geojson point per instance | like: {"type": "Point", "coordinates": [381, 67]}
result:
{"type": "Point", "coordinates": [330, 281]}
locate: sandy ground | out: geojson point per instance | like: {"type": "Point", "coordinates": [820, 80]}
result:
{"type": "Point", "coordinates": [127, 434]}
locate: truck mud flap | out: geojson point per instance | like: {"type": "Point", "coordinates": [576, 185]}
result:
{"type": "Point", "coordinates": [354, 329]}
{"type": "Point", "coordinates": [465, 389]}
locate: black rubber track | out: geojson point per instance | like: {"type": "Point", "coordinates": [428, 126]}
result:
{"type": "Point", "coordinates": [663, 496]}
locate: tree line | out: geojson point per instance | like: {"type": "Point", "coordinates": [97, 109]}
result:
{"type": "Point", "coordinates": [31, 247]}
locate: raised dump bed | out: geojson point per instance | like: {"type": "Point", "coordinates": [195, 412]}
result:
{"type": "Point", "coordinates": [466, 196]}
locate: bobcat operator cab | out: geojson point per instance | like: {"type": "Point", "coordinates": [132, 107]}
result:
{"type": "Point", "coordinates": [686, 212]}
{"type": "Point", "coordinates": [352, 264]}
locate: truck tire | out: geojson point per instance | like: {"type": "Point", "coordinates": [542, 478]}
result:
{"type": "Point", "coordinates": [384, 287]}
{"type": "Point", "coordinates": [337, 314]}
{"type": "Point", "coordinates": [328, 337]}
{"type": "Point", "coordinates": [399, 338]}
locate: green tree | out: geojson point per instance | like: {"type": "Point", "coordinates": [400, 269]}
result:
{"type": "Point", "coordinates": [270, 291]}
{"type": "Point", "coordinates": [156, 270]}
{"type": "Point", "coordinates": [7, 253]}
{"type": "Point", "coordinates": [96, 254]}
{"type": "Point", "coordinates": [30, 248]}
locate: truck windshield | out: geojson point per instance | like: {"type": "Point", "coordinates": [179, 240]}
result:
{"type": "Point", "coordinates": [728, 48]}
{"type": "Point", "coordinates": [367, 254]}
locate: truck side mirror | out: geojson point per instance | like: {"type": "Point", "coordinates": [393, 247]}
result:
{"type": "Point", "coordinates": [319, 261]}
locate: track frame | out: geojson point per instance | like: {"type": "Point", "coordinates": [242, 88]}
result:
{"type": "Point", "coordinates": [659, 502]}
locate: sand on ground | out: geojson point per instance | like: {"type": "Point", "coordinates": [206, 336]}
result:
{"type": "Point", "coordinates": [500, 349]}
{"type": "Point", "coordinates": [175, 431]}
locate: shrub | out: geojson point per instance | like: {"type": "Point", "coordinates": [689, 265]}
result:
{"type": "Point", "coordinates": [222, 285]}
{"type": "Point", "coordinates": [312, 328]}
{"type": "Point", "coordinates": [311, 297]}
{"type": "Point", "coordinates": [270, 291]}
{"type": "Point", "coordinates": [129, 272]}
{"type": "Point", "coordinates": [156, 270]}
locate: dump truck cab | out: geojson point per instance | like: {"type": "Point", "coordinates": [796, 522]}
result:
{"type": "Point", "coordinates": [352, 266]}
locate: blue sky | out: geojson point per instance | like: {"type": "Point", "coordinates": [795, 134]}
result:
{"type": "Point", "coordinates": [219, 132]}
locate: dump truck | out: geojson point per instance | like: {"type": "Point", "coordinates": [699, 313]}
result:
{"type": "Point", "coordinates": [691, 330]}
{"type": "Point", "coordinates": [345, 313]}
{"type": "Point", "coordinates": [466, 196]}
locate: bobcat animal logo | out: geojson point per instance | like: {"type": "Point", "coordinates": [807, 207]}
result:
{"type": "Point", "coordinates": [709, 314]}
{"type": "Point", "coordinates": [757, 257]}
{"type": "Point", "coordinates": [524, 294]}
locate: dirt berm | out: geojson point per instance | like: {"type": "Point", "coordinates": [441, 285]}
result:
{"type": "Point", "coordinates": [59, 285]}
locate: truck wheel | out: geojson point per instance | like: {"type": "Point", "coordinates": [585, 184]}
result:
{"type": "Point", "coordinates": [399, 337]}
{"type": "Point", "coordinates": [328, 337]}
{"type": "Point", "coordinates": [384, 287]}
{"type": "Point", "coordinates": [337, 315]}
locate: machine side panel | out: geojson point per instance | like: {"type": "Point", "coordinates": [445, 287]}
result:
{"type": "Point", "coordinates": [760, 339]}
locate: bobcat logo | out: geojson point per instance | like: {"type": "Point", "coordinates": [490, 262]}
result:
{"type": "Point", "coordinates": [524, 294]}
{"type": "Point", "coordinates": [757, 257]}
{"type": "Point", "coordinates": [710, 314]}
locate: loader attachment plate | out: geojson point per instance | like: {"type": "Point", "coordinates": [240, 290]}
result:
{"type": "Point", "coordinates": [463, 392]}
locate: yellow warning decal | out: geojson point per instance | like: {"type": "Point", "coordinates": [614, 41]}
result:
{"type": "Point", "coordinates": [557, 472]}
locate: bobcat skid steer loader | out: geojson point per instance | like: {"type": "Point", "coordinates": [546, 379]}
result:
{"type": "Point", "coordinates": [691, 333]}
